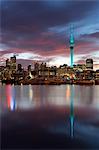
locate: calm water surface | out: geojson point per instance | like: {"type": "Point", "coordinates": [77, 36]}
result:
{"type": "Point", "coordinates": [67, 114]}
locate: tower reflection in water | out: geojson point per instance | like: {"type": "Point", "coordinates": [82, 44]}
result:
{"type": "Point", "coordinates": [10, 96]}
{"type": "Point", "coordinates": [72, 111]}
{"type": "Point", "coordinates": [70, 102]}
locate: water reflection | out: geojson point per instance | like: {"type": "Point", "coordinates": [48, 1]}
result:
{"type": "Point", "coordinates": [46, 105]}
{"type": "Point", "coordinates": [72, 111]}
{"type": "Point", "coordinates": [10, 95]}
{"type": "Point", "coordinates": [31, 97]}
{"type": "Point", "coordinates": [30, 93]}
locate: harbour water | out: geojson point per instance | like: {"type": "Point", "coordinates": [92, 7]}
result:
{"type": "Point", "coordinates": [49, 116]}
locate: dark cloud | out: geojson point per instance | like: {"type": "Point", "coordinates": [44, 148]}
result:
{"type": "Point", "coordinates": [33, 16]}
{"type": "Point", "coordinates": [92, 35]}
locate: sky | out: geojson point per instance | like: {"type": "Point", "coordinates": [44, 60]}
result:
{"type": "Point", "coordinates": [40, 31]}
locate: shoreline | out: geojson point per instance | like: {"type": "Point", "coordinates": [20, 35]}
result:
{"type": "Point", "coordinates": [50, 82]}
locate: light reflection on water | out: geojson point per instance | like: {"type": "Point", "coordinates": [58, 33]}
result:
{"type": "Point", "coordinates": [72, 111]}
{"type": "Point", "coordinates": [82, 101]}
{"type": "Point", "coordinates": [28, 97]}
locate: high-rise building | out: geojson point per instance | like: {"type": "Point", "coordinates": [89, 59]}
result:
{"type": "Point", "coordinates": [97, 74]}
{"type": "Point", "coordinates": [89, 63]}
{"type": "Point", "coordinates": [19, 67]}
{"type": "Point", "coordinates": [29, 68]}
{"type": "Point", "coordinates": [13, 63]}
{"type": "Point", "coordinates": [8, 63]}
{"type": "Point", "coordinates": [13, 59]}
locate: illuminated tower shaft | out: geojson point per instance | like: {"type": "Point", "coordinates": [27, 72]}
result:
{"type": "Point", "coordinates": [71, 48]}
{"type": "Point", "coordinates": [71, 55]}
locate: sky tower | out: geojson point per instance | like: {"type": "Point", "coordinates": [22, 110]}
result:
{"type": "Point", "coordinates": [71, 42]}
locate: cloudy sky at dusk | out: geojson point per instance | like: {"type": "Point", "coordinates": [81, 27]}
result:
{"type": "Point", "coordinates": [40, 30]}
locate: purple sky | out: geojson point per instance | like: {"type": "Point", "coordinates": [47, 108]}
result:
{"type": "Point", "coordinates": [40, 30]}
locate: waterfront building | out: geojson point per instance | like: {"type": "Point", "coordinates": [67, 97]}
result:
{"type": "Point", "coordinates": [36, 68]}
{"type": "Point", "coordinates": [42, 69]}
{"type": "Point", "coordinates": [29, 68]}
{"type": "Point", "coordinates": [79, 74]}
{"type": "Point", "coordinates": [97, 75]}
{"type": "Point", "coordinates": [62, 70]}
{"type": "Point", "coordinates": [2, 68]}
{"type": "Point", "coordinates": [8, 63]}
{"type": "Point", "coordinates": [89, 63]}
{"type": "Point", "coordinates": [53, 70]}
{"type": "Point", "coordinates": [2, 72]}
{"type": "Point", "coordinates": [79, 67]}
{"type": "Point", "coordinates": [89, 74]}
{"type": "Point", "coordinates": [19, 68]}
{"type": "Point", "coordinates": [7, 74]}
{"type": "Point", "coordinates": [13, 63]}
{"type": "Point", "coordinates": [47, 71]}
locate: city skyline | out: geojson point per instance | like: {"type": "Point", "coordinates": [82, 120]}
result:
{"type": "Point", "coordinates": [40, 30]}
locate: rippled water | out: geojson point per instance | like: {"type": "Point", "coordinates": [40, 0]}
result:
{"type": "Point", "coordinates": [68, 110]}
